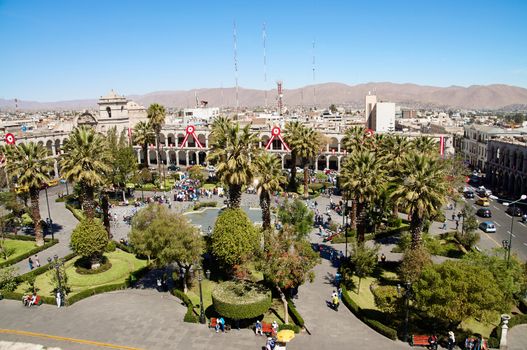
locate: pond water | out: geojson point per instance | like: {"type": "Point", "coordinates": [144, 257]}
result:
{"type": "Point", "coordinates": [208, 216]}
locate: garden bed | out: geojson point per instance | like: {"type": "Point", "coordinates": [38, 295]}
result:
{"type": "Point", "coordinates": [24, 247]}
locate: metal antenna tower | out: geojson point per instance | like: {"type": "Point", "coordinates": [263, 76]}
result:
{"type": "Point", "coordinates": [236, 67]}
{"type": "Point", "coordinates": [264, 36]}
{"type": "Point", "coordinates": [314, 89]}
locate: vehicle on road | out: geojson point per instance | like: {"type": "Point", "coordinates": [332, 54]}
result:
{"type": "Point", "coordinates": [514, 211]}
{"type": "Point", "coordinates": [487, 227]}
{"type": "Point", "coordinates": [483, 192]}
{"type": "Point", "coordinates": [173, 167]}
{"type": "Point", "coordinates": [484, 213]}
{"type": "Point", "coordinates": [484, 202]}
{"type": "Point", "coordinates": [468, 194]}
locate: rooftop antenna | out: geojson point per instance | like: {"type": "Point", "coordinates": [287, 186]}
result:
{"type": "Point", "coordinates": [314, 89]}
{"type": "Point", "coordinates": [236, 67]}
{"type": "Point", "coordinates": [196, 98]}
{"type": "Point", "coordinates": [280, 96]}
{"type": "Point", "coordinates": [264, 36]}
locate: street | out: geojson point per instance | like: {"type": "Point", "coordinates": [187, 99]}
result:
{"type": "Point", "coordinates": [503, 227]}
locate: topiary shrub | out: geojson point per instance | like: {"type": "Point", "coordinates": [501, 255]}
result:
{"type": "Point", "coordinates": [295, 315]}
{"type": "Point", "coordinates": [89, 239]}
{"type": "Point", "coordinates": [190, 315]}
{"type": "Point", "coordinates": [239, 300]}
{"type": "Point", "coordinates": [110, 247]}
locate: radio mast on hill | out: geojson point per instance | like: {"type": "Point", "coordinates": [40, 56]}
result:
{"type": "Point", "coordinates": [236, 67]}
{"type": "Point", "coordinates": [264, 36]}
{"type": "Point", "coordinates": [314, 89]}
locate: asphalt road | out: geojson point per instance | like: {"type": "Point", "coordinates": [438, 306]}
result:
{"type": "Point", "coordinates": [503, 227]}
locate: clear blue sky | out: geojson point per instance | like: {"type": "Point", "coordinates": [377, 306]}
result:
{"type": "Point", "coordinates": [57, 50]}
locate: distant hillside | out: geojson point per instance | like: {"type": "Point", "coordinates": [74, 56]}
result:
{"type": "Point", "coordinates": [473, 97]}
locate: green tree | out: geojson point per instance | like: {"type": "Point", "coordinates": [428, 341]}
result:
{"type": "Point", "coordinates": [333, 108]}
{"type": "Point", "coordinates": [8, 279]}
{"type": "Point", "coordinates": [122, 159]}
{"type": "Point", "coordinates": [54, 282]}
{"type": "Point", "coordinates": [30, 163]}
{"type": "Point", "coordinates": [307, 146]}
{"type": "Point", "coordinates": [511, 280]}
{"type": "Point", "coordinates": [296, 214]}
{"type": "Point", "coordinates": [293, 132]}
{"type": "Point", "coordinates": [233, 149]}
{"type": "Point", "coordinates": [234, 240]}
{"type": "Point", "coordinates": [421, 189]}
{"type": "Point", "coordinates": [89, 239]}
{"type": "Point", "coordinates": [86, 161]}
{"type": "Point", "coordinates": [168, 237]}
{"type": "Point", "coordinates": [363, 260]}
{"type": "Point", "coordinates": [455, 290]}
{"type": "Point", "coordinates": [413, 262]}
{"type": "Point", "coordinates": [142, 136]}
{"type": "Point", "coordinates": [195, 172]}
{"type": "Point", "coordinates": [270, 179]}
{"type": "Point", "coordinates": [156, 115]}
{"type": "Point", "coordinates": [288, 261]}
{"type": "Point", "coordinates": [426, 145]}
{"type": "Point", "coordinates": [364, 177]}
{"type": "Point", "coordinates": [468, 236]}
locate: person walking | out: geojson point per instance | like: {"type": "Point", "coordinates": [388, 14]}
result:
{"type": "Point", "coordinates": [37, 261]}
{"type": "Point", "coordinates": [58, 299]}
{"type": "Point", "coordinates": [451, 340]}
{"type": "Point", "coordinates": [30, 262]}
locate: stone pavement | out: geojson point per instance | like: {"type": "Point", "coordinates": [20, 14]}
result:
{"type": "Point", "coordinates": [517, 337]}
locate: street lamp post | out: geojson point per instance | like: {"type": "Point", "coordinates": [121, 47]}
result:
{"type": "Point", "coordinates": [201, 311]}
{"type": "Point", "coordinates": [49, 221]}
{"type": "Point", "coordinates": [56, 263]}
{"type": "Point", "coordinates": [509, 246]}
{"type": "Point", "coordinates": [407, 295]}
{"type": "Point", "coordinates": [505, 245]}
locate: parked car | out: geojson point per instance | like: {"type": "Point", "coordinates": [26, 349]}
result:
{"type": "Point", "coordinates": [483, 192]}
{"type": "Point", "coordinates": [468, 194]}
{"type": "Point", "coordinates": [487, 227]}
{"type": "Point", "coordinates": [513, 211]}
{"type": "Point", "coordinates": [484, 213]}
{"type": "Point", "coordinates": [484, 202]}
{"type": "Point", "coordinates": [173, 167]}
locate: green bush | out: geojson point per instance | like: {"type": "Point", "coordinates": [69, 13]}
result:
{"type": "Point", "coordinates": [96, 290]}
{"type": "Point", "coordinates": [199, 205]}
{"type": "Point", "coordinates": [190, 315]}
{"type": "Point", "coordinates": [110, 247]}
{"type": "Point", "coordinates": [381, 328]}
{"type": "Point", "coordinates": [77, 213]}
{"type": "Point", "coordinates": [178, 293]}
{"type": "Point", "coordinates": [292, 327]}
{"type": "Point", "coordinates": [316, 187]}
{"type": "Point", "coordinates": [25, 238]}
{"type": "Point", "coordinates": [125, 248]}
{"type": "Point", "coordinates": [89, 238]}
{"type": "Point", "coordinates": [350, 304]}
{"type": "Point", "coordinates": [386, 298]}
{"type": "Point", "coordinates": [241, 300]}
{"type": "Point", "coordinates": [47, 244]}
{"type": "Point", "coordinates": [295, 315]}
{"type": "Point", "coordinates": [42, 269]}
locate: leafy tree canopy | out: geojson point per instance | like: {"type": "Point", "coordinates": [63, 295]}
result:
{"type": "Point", "coordinates": [234, 239]}
{"type": "Point", "coordinates": [296, 214]}
{"type": "Point", "coordinates": [89, 238]}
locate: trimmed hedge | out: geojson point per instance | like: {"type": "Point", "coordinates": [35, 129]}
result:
{"type": "Point", "coordinates": [374, 324]}
{"type": "Point", "coordinates": [190, 315]}
{"type": "Point", "coordinates": [232, 304]}
{"type": "Point", "coordinates": [75, 212]}
{"type": "Point", "coordinates": [199, 205]}
{"type": "Point", "coordinates": [25, 237]}
{"type": "Point", "coordinates": [292, 327]}
{"type": "Point", "coordinates": [42, 269]}
{"type": "Point", "coordinates": [295, 315]}
{"type": "Point", "coordinates": [125, 248]}
{"type": "Point", "coordinates": [96, 290]}
{"type": "Point", "coordinates": [47, 244]}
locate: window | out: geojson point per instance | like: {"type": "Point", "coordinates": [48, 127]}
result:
{"type": "Point", "coordinates": [109, 111]}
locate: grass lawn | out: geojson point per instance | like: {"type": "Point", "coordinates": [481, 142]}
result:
{"type": "Point", "coordinates": [122, 264]}
{"type": "Point", "coordinates": [479, 327]}
{"type": "Point", "coordinates": [208, 186]}
{"type": "Point", "coordinates": [20, 248]}
{"type": "Point", "coordinates": [364, 298]}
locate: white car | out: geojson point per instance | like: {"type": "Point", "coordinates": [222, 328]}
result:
{"type": "Point", "coordinates": [211, 168]}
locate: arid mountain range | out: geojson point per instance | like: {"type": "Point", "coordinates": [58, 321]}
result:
{"type": "Point", "coordinates": [478, 97]}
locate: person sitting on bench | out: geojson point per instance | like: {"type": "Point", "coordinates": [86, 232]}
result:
{"type": "Point", "coordinates": [32, 300]}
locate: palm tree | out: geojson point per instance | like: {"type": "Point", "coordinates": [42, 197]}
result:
{"type": "Point", "coordinates": [422, 189]}
{"type": "Point", "coordinates": [364, 177]}
{"type": "Point", "coordinates": [85, 161]}
{"type": "Point", "coordinates": [232, 153]}
{"type": "Point", "coordinates": [30, 163]}
{"type": "Point", "coordinates": [156, 114]}
{"type": "Point", "coordinates": [292, 137]}
{"type": "Point", "coordinates": [270, 179]}
{"type": "Point", "coordinates": [142, 136]}
{"type": "Point", "coordinates": [307, 147]}
{"type": "Point", "coordinates": [426, 144]}
{"type": "Point", "coordinates": [356, 139]}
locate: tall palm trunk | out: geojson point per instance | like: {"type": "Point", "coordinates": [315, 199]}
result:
{"type": "Point", "coordinates": [416, 227]}
{"type": "Point", "coordinates": [35, 215]}
{"type": "Point", "coordinates": [306, 179]}
{"type": "Point", "coordinates": [292, 180]}
{"type": "Point", "coordinates": [158, 154]}
{"type": "Point", "coordinates": [89, 204]}
{"type": "Point", "coordinates": [361, 221]}
{"type": "Point", "coordinates": [265, 204]}
{"type": "Point", "coordinates": [284, 300]}
{"type": "Point", "coordinates": [106, 212]}
{"type": "Point", "coordinates": [235, 196]}
{"type": "Point", "coordinates": [145, 154]}
{"type": "Point", "coordinates": [353, 215]}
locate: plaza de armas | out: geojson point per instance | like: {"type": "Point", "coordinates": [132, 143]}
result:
{"type": "Point", "coordinates": [389, 189]}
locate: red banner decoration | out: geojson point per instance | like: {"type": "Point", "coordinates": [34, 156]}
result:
{"type": "Point", "coordinates": [275, 133]}
{"type": "Point", "coordinates": [10, 139]}
{"type": "Point", "coordinates": [191, 131]}
{"type": "Point", "coordinates": [442, 146]}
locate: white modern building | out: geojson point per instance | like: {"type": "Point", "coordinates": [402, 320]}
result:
{"type": "Point", "coordinates": [380, 116]}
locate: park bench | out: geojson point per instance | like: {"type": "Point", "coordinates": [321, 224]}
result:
{"type": "Point", "coordinates": [267, 328]}
{"type": "Point", "coordinates": [214, 321]}
{"type": "Point", "coordinates": [38, 301]}
{"type": "Point", "coordinates": [419, 340]}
